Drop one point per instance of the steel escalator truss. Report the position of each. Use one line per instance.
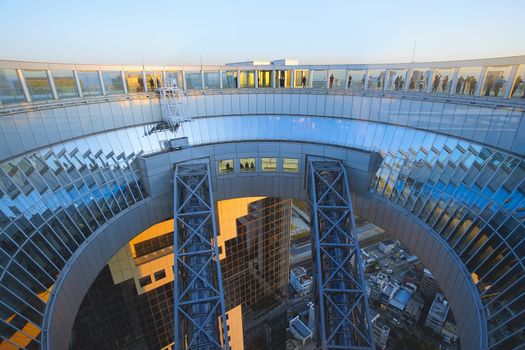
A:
(342, 314)
(198, 292)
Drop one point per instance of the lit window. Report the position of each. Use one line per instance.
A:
(144, 281)
(159, 275)
(269, 164)
(225, 166)
(290, 165)
(65, 83)
(38, 84)
(135, 82)
(247, 165)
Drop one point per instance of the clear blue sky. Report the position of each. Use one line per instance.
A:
(180, 32)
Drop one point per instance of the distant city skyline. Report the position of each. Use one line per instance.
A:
(170, 33)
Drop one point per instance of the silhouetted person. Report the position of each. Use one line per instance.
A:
(473, 84)
(396, 84)
(401, 83)
(246, 165)
(490, 84)
(151, 84)
(412, 84)
(349, 80)
(498, 85)
(228, 167)
(331, 81)
(241, 166)
(517, 83)
(303, 81)
(140, 88)
(435, 85)
(281, 81)
(444, 84)
(252, 166)
(460, 87)
(421, 83)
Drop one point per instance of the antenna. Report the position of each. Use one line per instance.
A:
(413, 52)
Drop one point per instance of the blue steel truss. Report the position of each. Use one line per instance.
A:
(342, 314)
(198, 292)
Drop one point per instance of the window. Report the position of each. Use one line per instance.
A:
(282, 78)
(264, 78)
(247, 165)
(89, 83)
(467, 80)
(495, 81)
(135, 82)
(319, 79)
(376, 79)
(144, 281)
(247, 79)
(38, 84)
(229, 79)
(518, 89)
(113, 82)
(441, 80)
(193, 81)
(225, 166)
(10, 87)
(65, 83)
(337, 79)
(211, 80)
(154, 80)
(396, 80)
(175, 78)
(419, 80)
(301, 79)
(269, 164)
(356, 79)
(159, 275)
(290, 165)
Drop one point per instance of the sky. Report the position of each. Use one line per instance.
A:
(172, 32)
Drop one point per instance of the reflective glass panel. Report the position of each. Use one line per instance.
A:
(229, 79)
(282, 78)
(269, 164)
(441, 80)
(319, 79)
(89, 83)
(419, 80)
(135, 82)
(301, 79)
(113, 82)
(396, 79)
(376, 79)
(518, 89)
(10, 87)
(175, 78)
(247, 79)
(65, 83)
(290, 165)
(337, 79)
(264, 78)
(247, 165)
(495, 81)
(356, 79)
(467, 80)
(154, 80)
(211, 80)
(193, 80)
(225, 166)
(38, 84)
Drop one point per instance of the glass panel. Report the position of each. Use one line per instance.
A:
(89, 83)
(175, 78)
(518, 89)
(396, 80)
(441, 80)
(264, 78)
(193, 81)
(467, 80)
(10, 87)
(269, 164)
(225, 166)
(495, 81)
(229, 79)
(247, 165)
(154, 80)
(319, 79)
(65, 83)
(356, 79)
(247, 79)
(419, 79)
(135, 82)
(337, 79)
(301, 78)
(113, 82)
(376, 79)
(38, 84)
(283, 78)
(290, 165)
(211, 80)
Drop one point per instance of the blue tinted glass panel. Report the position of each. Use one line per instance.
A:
(113, 83)
(38, 84)
(10, 87)
(90, 83)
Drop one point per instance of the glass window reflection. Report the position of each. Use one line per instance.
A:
(225, 166)
(247, 165)
(154, 80)
(113, 82)
(193, 81)
(175, 78)
(269, 164)
(301, 79)
(319, 79)
(135, 82)
(89, 83)
(65, 83)
(229, 79)
(495, 81)
(419, 79)
(441, 80)
(396, 79)
(38, 84)
(247, 79)
(282, 78)
(337, 79)
(376, 79)
(10, 87)
(356, 79)
(264, 78)
(518, 89)
(211, 80)
(467, 80)
(291, 165)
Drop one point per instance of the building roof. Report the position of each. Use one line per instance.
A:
(300, 328)
(400, 299)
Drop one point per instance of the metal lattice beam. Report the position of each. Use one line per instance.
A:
(342, 315)
(198, 292)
